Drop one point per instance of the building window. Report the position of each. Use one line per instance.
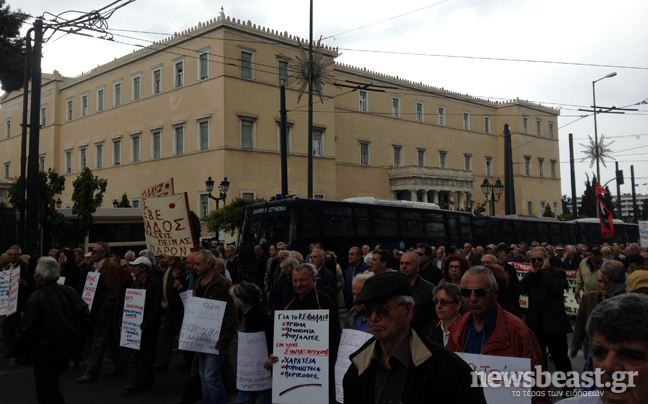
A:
(137, 87)
(156, 145)
(68, 161)
(43, 116)
(466, 120)
(319, 196)
(441, 113)
(100, 100)
(419, 112)
(542, 208)
(178, 140)
(70, 107)
(555, 209)
(99, 155)
(530, 208)
(157, 81)
(135, 148)
(363, 101)
(398, 156)
(468, 162)
(420, 157)
(318, 142)
(525, 125)
(553, 168)
(247, 196)
(288, 137)
(203, 65)
(203, 135)
(541, 167)
(364, 154)
(489, 166)
(203, 206)
(246, 64)
(443, 159)
(41, 164)
(8, 128)
(247, 133)
(83, 159)
(117, 94)
(135, 203)
(84, 105)
(538, 127)
(116, 152)
(283, 72)
(6, 170)
(178, 74)
(527, 165)
(550, 130)
(487, 124)
(396, 111)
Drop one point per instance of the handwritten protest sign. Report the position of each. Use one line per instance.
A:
(159, 190)
(571, 306)
(252, 352)
(131, 334)
(61, 280)
(12, 304)
(643, 233)
(301, 342)
(185, 295)
(501, 377)
(90, 288)
(201, 325)
(167, 225)
(6, 288)
(350, 342)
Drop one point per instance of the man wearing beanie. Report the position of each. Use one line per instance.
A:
(418, 371)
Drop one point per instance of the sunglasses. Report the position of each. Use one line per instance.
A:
(479, 292)
(381, 311)
(537, 260)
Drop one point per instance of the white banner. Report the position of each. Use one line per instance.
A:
(90, 288)
(201, 325)
(131, 334)
(9, 291)
(159, 190)
(350, 342)
(252, 352)
(167, 225)
(301, 341)
(643, 233)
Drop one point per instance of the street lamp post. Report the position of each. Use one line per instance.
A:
(598, 150)
(492, 191)
(223, 187)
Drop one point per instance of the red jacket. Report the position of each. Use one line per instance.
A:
(511, 338)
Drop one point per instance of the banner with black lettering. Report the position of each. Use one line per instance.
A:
(167, 225)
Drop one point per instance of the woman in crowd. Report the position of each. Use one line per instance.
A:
(449, 307)
(453, 269)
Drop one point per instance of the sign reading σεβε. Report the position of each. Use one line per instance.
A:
(201, 325)
(167, 225)
(301, 341)
(90, 288)
(252, 352)
(131, 333)
(350, 342)
(159, 190)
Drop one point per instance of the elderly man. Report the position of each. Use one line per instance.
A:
(439, 257)
(613, 276)
(635, 263)
(590, 300)
(397, 365)
(54, 318)
(214, 286)
(545, 286)
(318, 259)
(104, 311)
(586, 276)
(379, 262)
(488, 329)
(234, 265)
(572, 260)
(619, 340)
(422, 292)
(354, 320)
(471, 256)
(356, 267)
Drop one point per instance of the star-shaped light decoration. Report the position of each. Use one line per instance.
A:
(595, 151)
(321, 76)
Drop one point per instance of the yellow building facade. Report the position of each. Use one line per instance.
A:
(205, 102)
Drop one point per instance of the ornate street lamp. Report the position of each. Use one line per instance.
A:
(492, 191)
(223, 187)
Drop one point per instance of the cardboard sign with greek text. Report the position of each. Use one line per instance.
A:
(252, 352)
(131, 334)
(201, 325)
(302, 344)
(350, 342)
(9, 291)
(90, 288)
(167, 225)
(159, 190)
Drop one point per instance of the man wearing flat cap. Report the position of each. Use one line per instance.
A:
(397, 365)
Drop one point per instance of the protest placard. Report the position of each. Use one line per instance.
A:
(201, 325)
(5, 286)
(61, 280)
(159, 190)
(301, 342)
(571, 306)
(90, 288)
(131, 334)
(350, 342)
(643, 232)
(167, 225)
(501, 377)
(12, 304)
(185, 295)
(252, 352)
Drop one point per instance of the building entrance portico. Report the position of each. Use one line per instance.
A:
(448, 188)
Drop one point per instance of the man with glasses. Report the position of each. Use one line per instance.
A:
(104, 315)
(545, 287)
(397, 365)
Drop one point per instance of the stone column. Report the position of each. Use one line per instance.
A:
(424, 196)
(435, 197)
(413, 195)
(461, 198)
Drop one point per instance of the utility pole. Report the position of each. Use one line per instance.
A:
(284, 143)
(573, 176)
(310, 105)
(23, 141)
(619, 182)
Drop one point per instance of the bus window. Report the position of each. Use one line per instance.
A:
(310, 223)
(386, 227)
(363, 226)
(466, 228)
(412, 228)
(435, 230)
(337, 210)
(338, 225)
(453, 229)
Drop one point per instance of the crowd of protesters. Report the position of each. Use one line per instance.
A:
(414, 302)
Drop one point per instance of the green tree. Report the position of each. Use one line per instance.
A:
(230, 217)
(547, 211)
(479, 209)
(12, 48)
(87, 197)
(566, 205)
(588, 201)
(124, 203)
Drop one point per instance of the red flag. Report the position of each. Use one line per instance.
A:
(604, 214)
